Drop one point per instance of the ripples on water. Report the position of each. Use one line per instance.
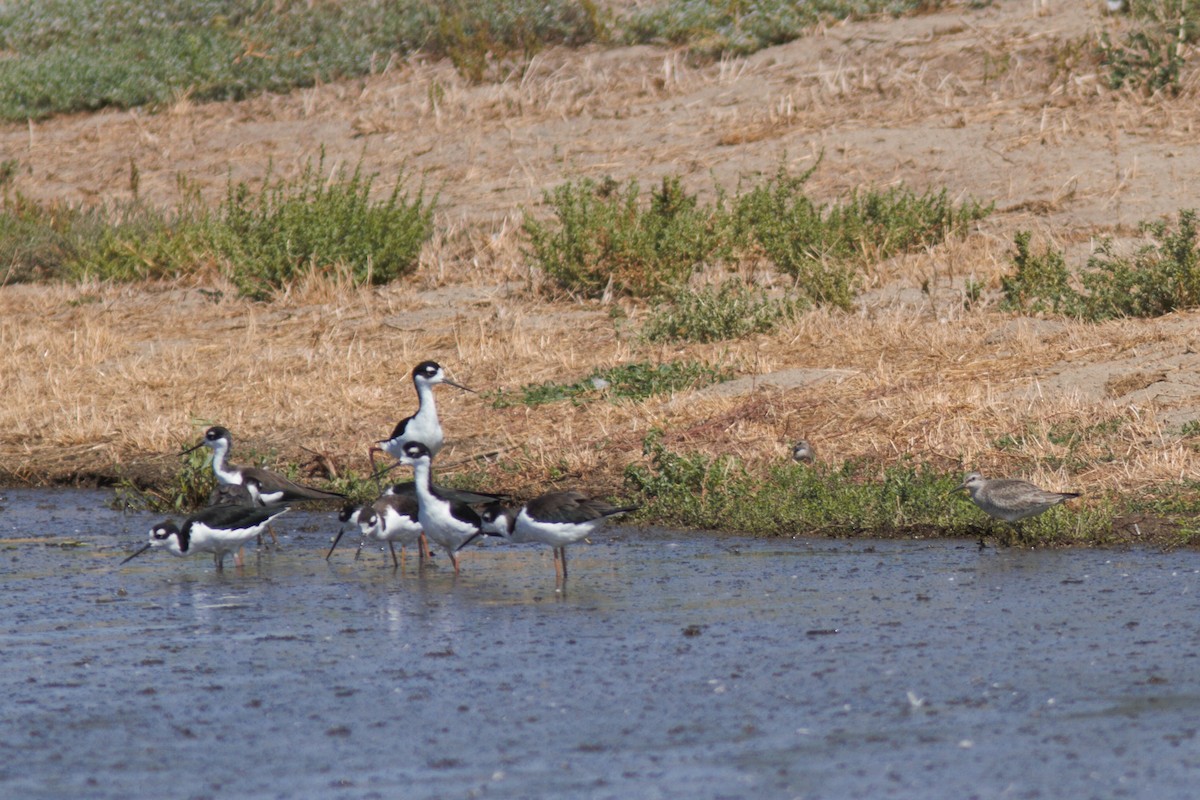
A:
(677, 665)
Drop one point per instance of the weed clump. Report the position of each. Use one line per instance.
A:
(603, 239)
(823, 247)
(710, 314)
(1152, 56)
(635, 381)
(270, 238)
(261, 241)
(1161, 277)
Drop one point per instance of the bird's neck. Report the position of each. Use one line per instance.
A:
(421, 482)
(426, 405)
(226, 473)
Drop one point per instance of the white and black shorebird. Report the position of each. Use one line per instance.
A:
(261, 486)
(264, 486)
(556, 519)
(391, 518)
(394, 515)
(216, 529)
(1009, 499)
(450, 523)
(423, 426)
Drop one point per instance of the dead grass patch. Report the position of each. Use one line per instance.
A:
(103, 381)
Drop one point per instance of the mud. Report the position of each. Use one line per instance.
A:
(677, 664)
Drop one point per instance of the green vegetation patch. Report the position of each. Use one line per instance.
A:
(291, 227)
(1153, 55)
(78, 55)
(712, 314)
(1160, 277)
(605, 239)
(628, 381)
(261, 241)
(715, 28)
(693, 490)
(822, 247)
(191, 488)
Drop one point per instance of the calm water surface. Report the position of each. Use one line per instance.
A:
(678, 664)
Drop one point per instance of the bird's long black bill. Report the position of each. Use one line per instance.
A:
(472, 538)
(145, 547)
(196, 446)
(337, 539)
(459, 386)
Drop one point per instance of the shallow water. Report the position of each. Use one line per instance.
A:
(677, 665)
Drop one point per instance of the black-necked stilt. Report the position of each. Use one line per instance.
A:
(391, 518)
(422, 426)
(557, 519)
(804, 452)
(217, 530)
(450, 523)
(265, 487)
(1009, 499)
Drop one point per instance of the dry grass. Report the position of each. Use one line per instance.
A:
(1002, 104)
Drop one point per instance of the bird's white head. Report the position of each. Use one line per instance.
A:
(415, 453)
(497, 520)
(431, 373)
(166, 534)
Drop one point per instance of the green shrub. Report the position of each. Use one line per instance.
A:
(1161, 277)
(311, 223)
(604, 239)
(127, 240)
(263, 240)
(824, 247)
(1153, 55)
(715, 314)
(1041, 281)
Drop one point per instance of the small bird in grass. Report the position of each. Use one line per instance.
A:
(557, 519)
(391, 518)
(216, 529)
(263, 486)
(1009, 499)
(803, 452)
(423, 426)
